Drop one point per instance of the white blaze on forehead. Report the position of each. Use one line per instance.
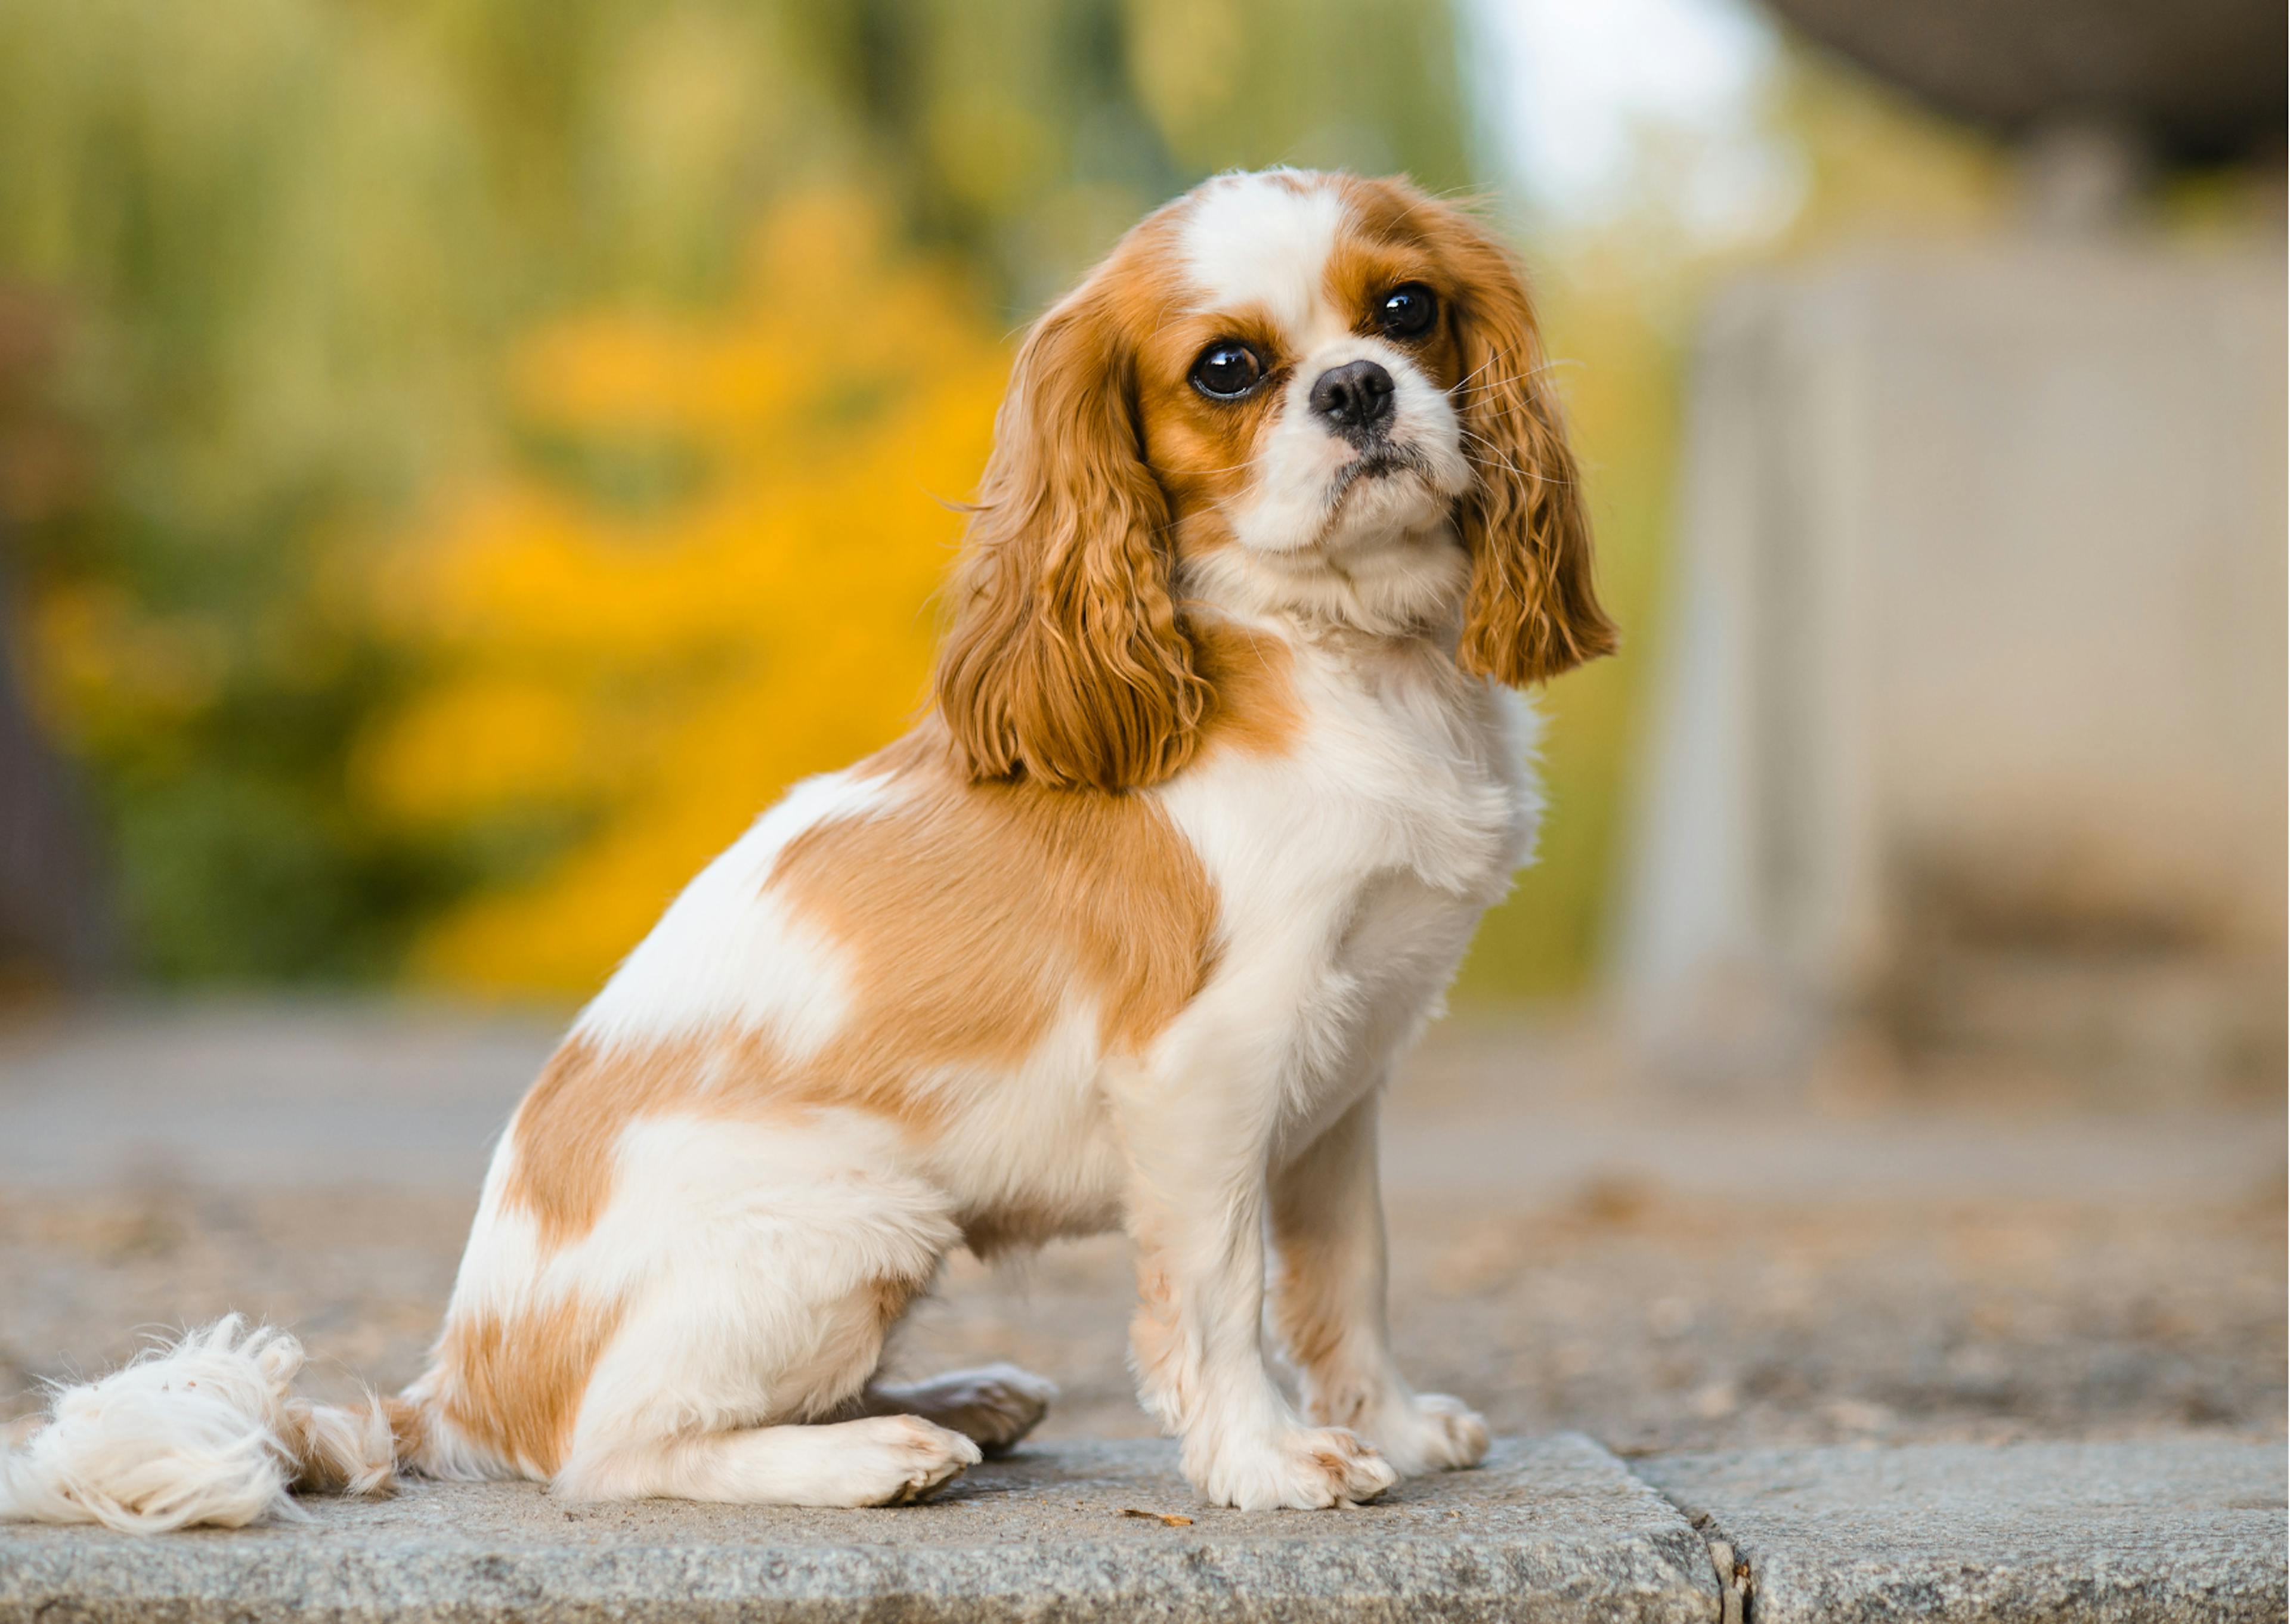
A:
(1264, 241)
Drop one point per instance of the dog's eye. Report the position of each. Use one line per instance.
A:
(1226, 371)
(1407, 311)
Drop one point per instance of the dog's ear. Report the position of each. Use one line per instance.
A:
(1064, 662)
(1532, 610)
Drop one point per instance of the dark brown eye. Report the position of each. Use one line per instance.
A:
(1407, 311)
(1226, 371)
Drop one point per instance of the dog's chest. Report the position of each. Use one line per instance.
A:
(1409, 772)
(1352, 868)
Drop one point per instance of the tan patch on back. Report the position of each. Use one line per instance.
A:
(971, 911)
(513, 1385)
(970, 914)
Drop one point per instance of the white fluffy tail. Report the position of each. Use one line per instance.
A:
(205, 1430)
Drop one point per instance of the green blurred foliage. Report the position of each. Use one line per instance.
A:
(283, 245)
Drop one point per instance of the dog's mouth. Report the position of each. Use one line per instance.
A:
(1385, 460)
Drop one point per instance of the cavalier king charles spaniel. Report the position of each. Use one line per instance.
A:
(1225, 760)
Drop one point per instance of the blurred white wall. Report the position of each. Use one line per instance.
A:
(1978, 650)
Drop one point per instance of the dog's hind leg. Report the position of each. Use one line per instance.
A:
(879, 1460)
(753, 1270)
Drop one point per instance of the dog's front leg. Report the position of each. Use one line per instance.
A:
(1196, 1213)
(1327, 1225)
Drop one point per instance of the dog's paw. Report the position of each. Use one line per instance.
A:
(1428, 1432)
(895, 1460)
(1299, 1469)
(993, 1407)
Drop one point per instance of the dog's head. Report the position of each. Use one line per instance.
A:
(1285, 391)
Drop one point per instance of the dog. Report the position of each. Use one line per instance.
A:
(1226, 757)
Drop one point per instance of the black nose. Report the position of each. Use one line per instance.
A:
(1354, 398)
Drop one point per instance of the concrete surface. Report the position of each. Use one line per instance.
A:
(231, 1093)
(1572, 1249)
(2187, 1532)
(2164, 1531)
(1553, 1529)
(267, 1095)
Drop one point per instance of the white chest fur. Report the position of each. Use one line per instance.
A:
(1351, 870)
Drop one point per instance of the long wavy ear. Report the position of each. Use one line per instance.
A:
(1064, 662)
(1532, 610)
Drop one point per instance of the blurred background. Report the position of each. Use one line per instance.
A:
(460, 460)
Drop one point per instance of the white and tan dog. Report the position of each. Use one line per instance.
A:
(1221, 772)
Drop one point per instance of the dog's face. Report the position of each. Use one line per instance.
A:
(1285, 392)
(1298, 397)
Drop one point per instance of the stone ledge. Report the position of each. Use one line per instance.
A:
(2166, 1531)
(1552, 1528)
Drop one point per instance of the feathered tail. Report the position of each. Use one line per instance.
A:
(206, 1430)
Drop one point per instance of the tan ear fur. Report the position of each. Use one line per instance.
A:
(1532, 610)
(1065, 663)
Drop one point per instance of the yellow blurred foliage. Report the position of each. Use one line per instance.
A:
(708, 574)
